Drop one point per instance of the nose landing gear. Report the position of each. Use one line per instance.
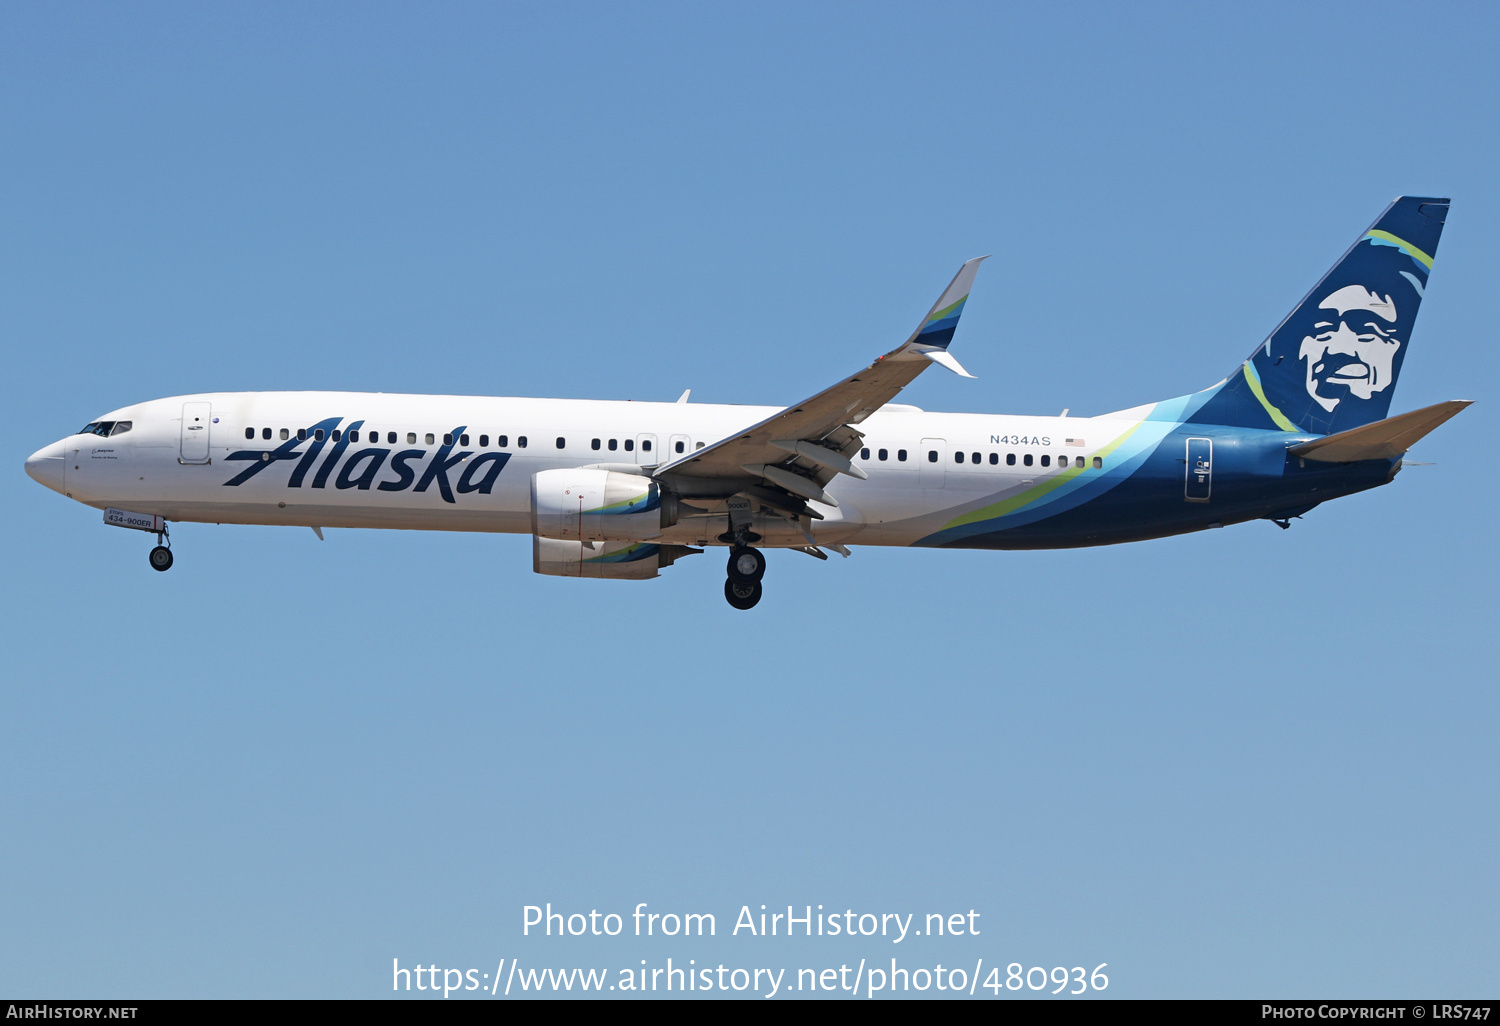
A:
(746, 567)
(161, 556)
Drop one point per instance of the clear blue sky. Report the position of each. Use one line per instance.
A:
(1242, 763)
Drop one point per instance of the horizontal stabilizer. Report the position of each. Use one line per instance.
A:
(1382, 440)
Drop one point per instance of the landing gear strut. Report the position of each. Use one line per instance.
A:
(161, 556)
(746, 567)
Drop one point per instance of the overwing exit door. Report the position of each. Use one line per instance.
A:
(932, 461)
(645, 450)
(1200, 469)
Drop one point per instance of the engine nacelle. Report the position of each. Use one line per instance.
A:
(629, 561)
(593, 504)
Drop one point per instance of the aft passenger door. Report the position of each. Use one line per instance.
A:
(196, 418)
(1200, 470)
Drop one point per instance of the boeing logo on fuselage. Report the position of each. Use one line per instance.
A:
(364, 465)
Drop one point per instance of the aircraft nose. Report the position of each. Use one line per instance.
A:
(46, 466)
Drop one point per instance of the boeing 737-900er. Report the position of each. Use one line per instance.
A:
(623, 489)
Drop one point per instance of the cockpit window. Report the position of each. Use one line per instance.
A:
(105, 428)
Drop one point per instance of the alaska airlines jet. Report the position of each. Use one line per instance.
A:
(623, 489)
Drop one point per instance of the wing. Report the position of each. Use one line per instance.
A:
(799, 450)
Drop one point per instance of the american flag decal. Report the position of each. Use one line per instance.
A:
(1079, 442)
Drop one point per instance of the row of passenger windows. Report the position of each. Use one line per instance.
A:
(678, 445)
(391, 437)
(1010, 458)
(429, 438)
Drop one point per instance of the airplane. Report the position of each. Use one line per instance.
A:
(622, 490)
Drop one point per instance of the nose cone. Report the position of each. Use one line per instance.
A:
(46, 466)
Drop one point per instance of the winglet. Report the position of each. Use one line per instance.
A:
(937, 327)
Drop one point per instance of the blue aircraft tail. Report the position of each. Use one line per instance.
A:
(1332, 364)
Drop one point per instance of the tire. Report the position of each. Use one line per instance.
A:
(742, 596)
(161, 558)
(746, 565)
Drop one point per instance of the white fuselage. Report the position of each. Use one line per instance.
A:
(181, 455)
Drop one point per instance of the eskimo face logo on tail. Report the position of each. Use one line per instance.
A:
(1351, 349)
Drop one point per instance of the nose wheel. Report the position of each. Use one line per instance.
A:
(161, 556)
(746, 567)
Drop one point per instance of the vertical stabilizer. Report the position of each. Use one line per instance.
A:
(1332, 364)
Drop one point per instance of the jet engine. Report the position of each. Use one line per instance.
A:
(631, 561)
(594, 504)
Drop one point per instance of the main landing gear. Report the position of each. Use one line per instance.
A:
(746, 567)
(161, 556)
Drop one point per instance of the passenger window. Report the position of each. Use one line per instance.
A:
(1026, 459)
(864, 454)
(249, 432)
(630, 445)
(1062, 461)
(354, 436)
(594, 444)
(484, 441)
(285, 435)
(883, 455)
(958, 457)
(682, 447)
(447, 439)
(411, 438)
(463, 440)
(429, 437)
(390, 438)
(700, 445)
(900, 455)
(1010, 459)
(974, 458)
(614, 443)
(1098, 462)
(994, 459)
(336, 434)
(302, 434)
(645, 445)
(931, 455)
(520, 441)
(265, 433)
(502, 441)
(1046, 460)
